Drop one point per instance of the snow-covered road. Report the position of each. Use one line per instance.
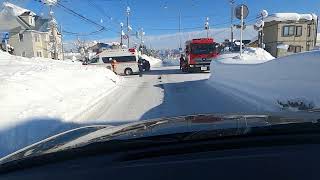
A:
(163, 92)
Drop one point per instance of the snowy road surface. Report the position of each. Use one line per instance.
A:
(163, 92)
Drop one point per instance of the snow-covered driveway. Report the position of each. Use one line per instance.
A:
(163, 92)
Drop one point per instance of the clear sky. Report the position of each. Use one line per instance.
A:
(158, 16)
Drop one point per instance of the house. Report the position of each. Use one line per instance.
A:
(30, 35)
(287, 33)
(99, 47)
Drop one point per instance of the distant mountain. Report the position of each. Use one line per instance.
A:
(220, 34)
(171, 41)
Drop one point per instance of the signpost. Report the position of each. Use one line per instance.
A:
(241, 12)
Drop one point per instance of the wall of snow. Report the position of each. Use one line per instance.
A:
(249, 56)
(171, 62)
(153, 61)
(290, 78)
(40, 97)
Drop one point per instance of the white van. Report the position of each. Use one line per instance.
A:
(127, 60)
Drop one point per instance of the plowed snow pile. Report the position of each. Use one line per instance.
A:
(291, 82)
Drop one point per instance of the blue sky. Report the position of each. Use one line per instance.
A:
(158, 16)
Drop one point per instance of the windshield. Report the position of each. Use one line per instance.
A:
(202, 48)
(67, 64)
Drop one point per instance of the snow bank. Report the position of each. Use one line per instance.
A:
(292, 79)
(36, 92)
(42, 87)
(72, 56)
(249, 56)
(171, 62)
(290, 17)
(153, 61)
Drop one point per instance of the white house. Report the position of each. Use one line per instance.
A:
(30, 34)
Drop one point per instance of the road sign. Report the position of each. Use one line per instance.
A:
(125, 36)
(238, 11)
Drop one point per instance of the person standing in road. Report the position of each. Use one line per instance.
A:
(140, 65)
(113, 65)
(181, 61)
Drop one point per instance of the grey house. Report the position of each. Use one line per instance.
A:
(288, 33)
(29, 34)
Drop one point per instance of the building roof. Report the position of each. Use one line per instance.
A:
(11, 17)
(290, 17)
(16, 10)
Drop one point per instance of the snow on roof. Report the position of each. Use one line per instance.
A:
(15, 10)
(290, 17)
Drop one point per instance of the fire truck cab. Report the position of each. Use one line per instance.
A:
(199, 53)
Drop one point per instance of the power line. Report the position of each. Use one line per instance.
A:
(80, 16)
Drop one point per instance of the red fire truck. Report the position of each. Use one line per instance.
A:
(199, 53)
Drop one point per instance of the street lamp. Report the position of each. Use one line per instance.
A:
(128, 10)
(206, 26)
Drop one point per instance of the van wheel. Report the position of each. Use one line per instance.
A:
(128, 71)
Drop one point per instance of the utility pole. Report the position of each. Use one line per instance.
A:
(231, 19)
(262, 34)
(241, 31)
(62, 50)
(141, 34)
(128, 27)
(121, 34)
(260, 27)
(180, 46)
(53, 33)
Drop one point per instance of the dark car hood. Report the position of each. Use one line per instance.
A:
(193, 123)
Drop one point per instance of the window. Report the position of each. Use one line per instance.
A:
(202, 48)
(126, 59)
(288, 30)
(39, 54)
(105, 59)
(291, 48)
(120, 59)
(21, 37)
(297, 49)
(308, 47)
(37, 38)
(298, 30)
(309, 30)
(94, 60)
